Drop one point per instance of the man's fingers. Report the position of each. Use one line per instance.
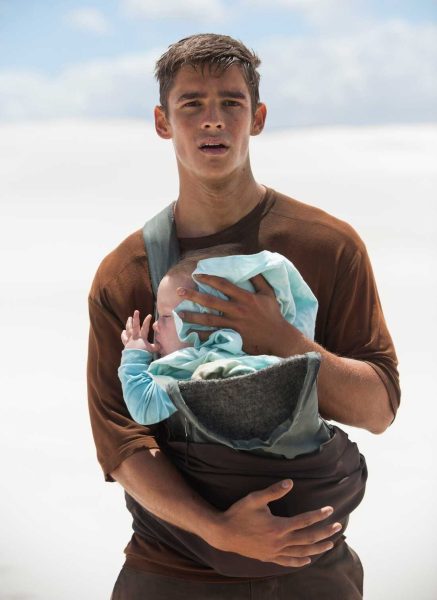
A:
(307, 550)
(290, 561)
(222, 285)
(261, 284)
(313, 535)
(124, 337)
(273, 492)
(298, 556)
(213, 302)
(209, 319)
(309, 518)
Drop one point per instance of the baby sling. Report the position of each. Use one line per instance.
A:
(217, 420)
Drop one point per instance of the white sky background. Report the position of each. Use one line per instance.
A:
(70, 192)
(81, 168)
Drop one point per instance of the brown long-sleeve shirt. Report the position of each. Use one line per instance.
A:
(331, 258)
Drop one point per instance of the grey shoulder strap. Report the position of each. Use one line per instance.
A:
(161, 244)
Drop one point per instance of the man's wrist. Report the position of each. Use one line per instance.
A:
(290, 341)
(212, 530)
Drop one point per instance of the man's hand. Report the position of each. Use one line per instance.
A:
(256, 316)
(249, 528)
(135, 336)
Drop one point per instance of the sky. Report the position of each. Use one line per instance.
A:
(323, 61)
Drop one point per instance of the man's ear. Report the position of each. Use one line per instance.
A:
(162, 125)
(259, 119)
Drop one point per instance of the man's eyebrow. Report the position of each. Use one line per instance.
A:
(191, 96)
(223, 94)
(232, 94)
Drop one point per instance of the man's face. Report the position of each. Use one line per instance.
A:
(210, 121)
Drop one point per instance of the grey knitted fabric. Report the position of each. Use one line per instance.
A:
(273, 411)
(248, 406)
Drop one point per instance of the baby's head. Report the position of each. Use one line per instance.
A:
(167, 298)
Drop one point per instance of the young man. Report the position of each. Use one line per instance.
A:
(209, 109)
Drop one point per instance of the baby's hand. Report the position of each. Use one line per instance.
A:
(135, 337)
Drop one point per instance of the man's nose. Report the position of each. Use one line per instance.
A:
(213, 119)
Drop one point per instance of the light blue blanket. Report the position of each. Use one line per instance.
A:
(297, 303)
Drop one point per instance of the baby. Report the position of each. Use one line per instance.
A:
(183, 355)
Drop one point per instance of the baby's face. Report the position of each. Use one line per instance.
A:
(167, 300)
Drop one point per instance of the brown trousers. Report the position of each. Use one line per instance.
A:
(338, 575)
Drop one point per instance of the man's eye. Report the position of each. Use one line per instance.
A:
(192, 103)
(231, 103)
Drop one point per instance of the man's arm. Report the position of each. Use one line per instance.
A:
(350, 391)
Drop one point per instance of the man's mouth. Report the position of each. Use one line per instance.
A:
(213, 148)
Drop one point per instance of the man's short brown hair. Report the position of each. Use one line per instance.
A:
(210, 50)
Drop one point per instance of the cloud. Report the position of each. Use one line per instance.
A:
(307, 8)
(321, 14)
(88, 19)
(381, 74)
(194, 10)
(105, 88)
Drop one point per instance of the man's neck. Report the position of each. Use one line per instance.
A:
(204, 209)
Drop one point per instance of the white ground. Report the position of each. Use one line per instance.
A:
(70, 191)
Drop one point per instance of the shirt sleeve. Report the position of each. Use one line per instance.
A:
(116, 434)
(147, 401)
(356, 327)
